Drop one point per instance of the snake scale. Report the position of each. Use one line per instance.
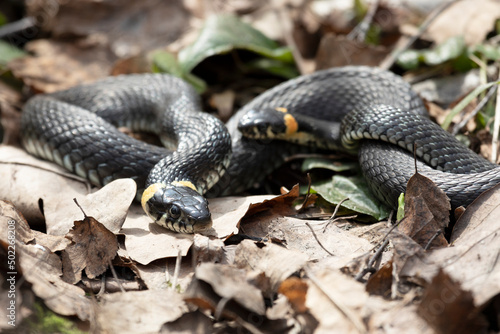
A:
(350, 108)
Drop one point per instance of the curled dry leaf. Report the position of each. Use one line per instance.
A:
(426, 212)
(146, 241)
(93, 247)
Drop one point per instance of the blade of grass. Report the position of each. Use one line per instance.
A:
(465, 101)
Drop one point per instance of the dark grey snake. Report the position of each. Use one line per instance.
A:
(76, 129)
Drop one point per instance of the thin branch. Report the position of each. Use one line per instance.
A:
(332, 218)
(474, 112)
(360, 31)
(496, 128)
(438, 232)
(391, 59)
(369, 268)
(115, 276)
(177, 268)
(317, 240)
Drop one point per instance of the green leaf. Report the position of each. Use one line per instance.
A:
(401, 207)
(166, 62)
(450, 49)
(490, 52)
(409, 59)
(465, 101)
(9, 52)
(275, 67)
(223, 33)
(360, 197)
(336, 166)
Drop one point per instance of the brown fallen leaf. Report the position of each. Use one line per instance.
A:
(449, 309)
(472, 260)
(381, 281)
(93, 247)
(426, 212)
(295, 290)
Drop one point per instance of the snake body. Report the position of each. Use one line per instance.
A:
(76, 128)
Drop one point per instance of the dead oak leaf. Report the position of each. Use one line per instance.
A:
(92, 249)
(448, 308)
(426, 212)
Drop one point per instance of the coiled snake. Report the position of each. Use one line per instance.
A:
(76, 128)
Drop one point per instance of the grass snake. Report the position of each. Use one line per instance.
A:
(350, 108)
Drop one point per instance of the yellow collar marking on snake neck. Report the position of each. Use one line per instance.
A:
(149, 193)
(291, 124)
(183, 183)
(281, 109)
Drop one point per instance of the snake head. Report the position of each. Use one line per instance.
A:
(176, 207)
(267, 123)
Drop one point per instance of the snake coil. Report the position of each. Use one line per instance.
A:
(76, 128)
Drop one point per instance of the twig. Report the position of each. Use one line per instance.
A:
(332, 218)
(290, 42)
(474, 112)
(308, 194)
(221, 305)
(351, 316)
(359, 32)
(177, 268)
(438, 232)
(115, 276)
(369, 268)
(391, 59)
(317, 240)
(496, 128)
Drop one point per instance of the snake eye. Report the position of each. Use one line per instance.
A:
(174, 211)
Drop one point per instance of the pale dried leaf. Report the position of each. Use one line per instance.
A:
(108, 205)
(147, 310)
(471, 19)
(213, 282)
(54, 243)
(146, 241)
(159, 274)
(228, 211)
(275, 262)
(29, 182)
